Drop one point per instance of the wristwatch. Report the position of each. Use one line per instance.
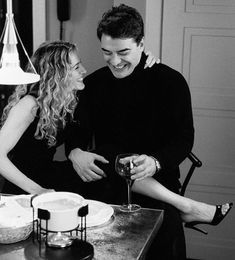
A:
(157, 164)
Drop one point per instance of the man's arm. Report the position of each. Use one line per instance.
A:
(79, 131)
(78, 138)
(181, 137)
(179, 128)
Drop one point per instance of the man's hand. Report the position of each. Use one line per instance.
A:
(144, 166)
(84, 165)
(151, 60)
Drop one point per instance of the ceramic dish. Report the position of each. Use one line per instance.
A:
(63, 209)
(99, 213)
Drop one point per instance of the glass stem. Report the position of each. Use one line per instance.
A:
(129, 192)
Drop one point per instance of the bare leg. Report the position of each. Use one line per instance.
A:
(190, 210)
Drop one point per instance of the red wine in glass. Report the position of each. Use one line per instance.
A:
(123, 165)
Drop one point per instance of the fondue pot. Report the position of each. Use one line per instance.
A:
(62, 209)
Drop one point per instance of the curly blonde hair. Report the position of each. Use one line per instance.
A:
(52, 62)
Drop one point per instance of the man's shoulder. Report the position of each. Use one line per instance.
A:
(164, 69)
(168, 80)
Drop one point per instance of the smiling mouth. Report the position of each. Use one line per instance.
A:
(119, 68)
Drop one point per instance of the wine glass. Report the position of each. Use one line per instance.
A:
(123, 165)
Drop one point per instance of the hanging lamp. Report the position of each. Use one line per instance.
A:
(10, 70)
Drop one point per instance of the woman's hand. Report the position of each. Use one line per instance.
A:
(43, 190)
(151, 60)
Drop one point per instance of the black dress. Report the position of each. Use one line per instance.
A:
(35, 159)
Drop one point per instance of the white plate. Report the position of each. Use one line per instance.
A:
(98, 213)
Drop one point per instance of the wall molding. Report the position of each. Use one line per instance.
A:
(208, 6)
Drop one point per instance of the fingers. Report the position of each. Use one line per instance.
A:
(144, 167)
(141, 175)
(84, 165)
(139, 160)
(90, 172)
(98, 171)
(128, 159)
(100, 158)
(151, 60)
(91, 176)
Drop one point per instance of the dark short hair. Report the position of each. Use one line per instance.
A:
(121, 22)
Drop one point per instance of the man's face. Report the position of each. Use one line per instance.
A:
(121, 55)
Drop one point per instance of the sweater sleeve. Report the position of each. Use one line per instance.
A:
(180, 136)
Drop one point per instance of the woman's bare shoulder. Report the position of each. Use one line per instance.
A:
(26, 105)
(28, 101)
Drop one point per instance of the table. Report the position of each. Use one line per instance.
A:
(127, 236)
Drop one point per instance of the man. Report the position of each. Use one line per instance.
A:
(126, 108)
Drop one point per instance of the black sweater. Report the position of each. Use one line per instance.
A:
(148, 112)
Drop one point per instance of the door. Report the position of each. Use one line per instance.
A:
(199, 41)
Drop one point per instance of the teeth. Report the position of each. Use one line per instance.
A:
(119, 67)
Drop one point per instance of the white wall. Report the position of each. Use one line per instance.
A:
(153, 15)
(80, 29)
(39, 23)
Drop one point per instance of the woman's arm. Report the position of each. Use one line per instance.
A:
(19, 119)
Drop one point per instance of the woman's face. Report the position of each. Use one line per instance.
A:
(76, 72)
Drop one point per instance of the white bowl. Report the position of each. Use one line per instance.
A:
(63, 208)
(15, 218)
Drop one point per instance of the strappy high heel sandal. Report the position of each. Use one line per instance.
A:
(218, 217)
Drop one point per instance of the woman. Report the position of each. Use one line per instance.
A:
(34, 124)
(35, 116)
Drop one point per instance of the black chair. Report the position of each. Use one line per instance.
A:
(195, 163)
(2, 180)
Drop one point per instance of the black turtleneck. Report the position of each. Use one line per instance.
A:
(148, 112)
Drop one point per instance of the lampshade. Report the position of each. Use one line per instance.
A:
(10, 71)
(16, 76)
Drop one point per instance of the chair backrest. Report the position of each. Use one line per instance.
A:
(195, 163)
(2, 180)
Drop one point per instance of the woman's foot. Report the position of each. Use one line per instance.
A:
(197, 216)
(202, 212)
(220, 213)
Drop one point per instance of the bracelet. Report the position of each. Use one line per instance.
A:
(157, 164)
